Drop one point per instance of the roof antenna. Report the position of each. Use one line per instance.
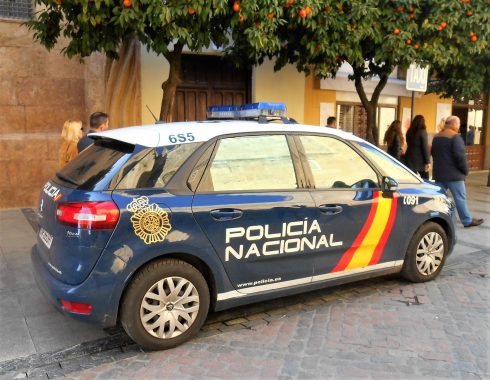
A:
(152, 114)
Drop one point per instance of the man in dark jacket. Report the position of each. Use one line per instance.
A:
(451, 167)
(99, 122)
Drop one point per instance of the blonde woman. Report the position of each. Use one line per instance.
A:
(71, 133)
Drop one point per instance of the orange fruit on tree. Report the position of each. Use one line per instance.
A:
(127, 3)
(308, 10)
(302, 13)
(236, 6)
(409, 41)
(396, 32)
(270, 15)
(191, 10)
(474, 38)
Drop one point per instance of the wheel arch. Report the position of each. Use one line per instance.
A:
(196, 262)
(446, 227)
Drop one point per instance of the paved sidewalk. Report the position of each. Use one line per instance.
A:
(383, 328)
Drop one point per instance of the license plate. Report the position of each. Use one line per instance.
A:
(45, 237)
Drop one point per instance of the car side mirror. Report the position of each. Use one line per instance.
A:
(389, 185)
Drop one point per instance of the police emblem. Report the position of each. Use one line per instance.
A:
(150, 222)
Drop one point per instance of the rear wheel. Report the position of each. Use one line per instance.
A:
(165, 305)
(426, 253)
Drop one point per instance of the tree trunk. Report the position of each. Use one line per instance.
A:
(370, 106)
(123, 86)
(169, 87)
(372, 129)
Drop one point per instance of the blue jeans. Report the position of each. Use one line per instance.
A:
(458, 192)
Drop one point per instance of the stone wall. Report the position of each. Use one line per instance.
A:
(39, 90)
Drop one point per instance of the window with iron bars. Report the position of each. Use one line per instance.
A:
(16, 9)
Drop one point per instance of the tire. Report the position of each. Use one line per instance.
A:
(156, 321)
(426, 253)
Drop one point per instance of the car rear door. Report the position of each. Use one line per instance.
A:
(252, 205)
(70, 251)
(357, 216)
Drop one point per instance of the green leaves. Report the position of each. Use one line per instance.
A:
(315, 35)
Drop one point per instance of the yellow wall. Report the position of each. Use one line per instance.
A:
(286, 86)
(154, 71)
(425, 105)
(313, 97)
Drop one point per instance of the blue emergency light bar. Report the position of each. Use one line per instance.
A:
(251, 110)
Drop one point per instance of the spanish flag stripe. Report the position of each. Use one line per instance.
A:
(347, 256)
(386, 234)
(365, 252)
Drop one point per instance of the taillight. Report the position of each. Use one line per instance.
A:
(88, 215)
(75, 307)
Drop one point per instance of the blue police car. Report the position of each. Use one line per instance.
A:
(153, 226)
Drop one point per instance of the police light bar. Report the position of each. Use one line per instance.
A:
(222, 112)
(251, 110)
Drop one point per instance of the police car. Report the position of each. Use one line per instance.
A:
(153, 226)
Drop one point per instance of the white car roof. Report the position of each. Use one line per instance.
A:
(165, 134)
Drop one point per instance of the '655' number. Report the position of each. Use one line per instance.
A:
(181, 137)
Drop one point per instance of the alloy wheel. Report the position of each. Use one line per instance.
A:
(430, 252)
(169, 307)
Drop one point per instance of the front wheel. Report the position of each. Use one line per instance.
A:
(426, 253)
(165, 304)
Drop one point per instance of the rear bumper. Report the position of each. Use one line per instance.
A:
(92, 291)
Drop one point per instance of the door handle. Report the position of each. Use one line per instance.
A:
(330, 209)
(226, 214)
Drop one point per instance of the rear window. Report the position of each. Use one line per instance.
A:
(93, 168)
(153, 167)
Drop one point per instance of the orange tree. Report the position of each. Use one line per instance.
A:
(374, 37)
(163, 26)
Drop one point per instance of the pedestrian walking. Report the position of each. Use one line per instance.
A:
(331, 122)
(451, 167)
(417, 156)
(394, 139)
(99, 122)
(71, 133)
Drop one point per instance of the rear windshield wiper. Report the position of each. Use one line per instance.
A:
(66, 178)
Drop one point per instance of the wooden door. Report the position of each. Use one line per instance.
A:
(206, 81)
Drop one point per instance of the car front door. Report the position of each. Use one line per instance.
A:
(355, 214)
(252, 205)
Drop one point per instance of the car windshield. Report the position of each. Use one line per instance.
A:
(389, 165)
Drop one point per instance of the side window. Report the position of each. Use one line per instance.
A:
(153, 168)
(334, 164)
(250, 163)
